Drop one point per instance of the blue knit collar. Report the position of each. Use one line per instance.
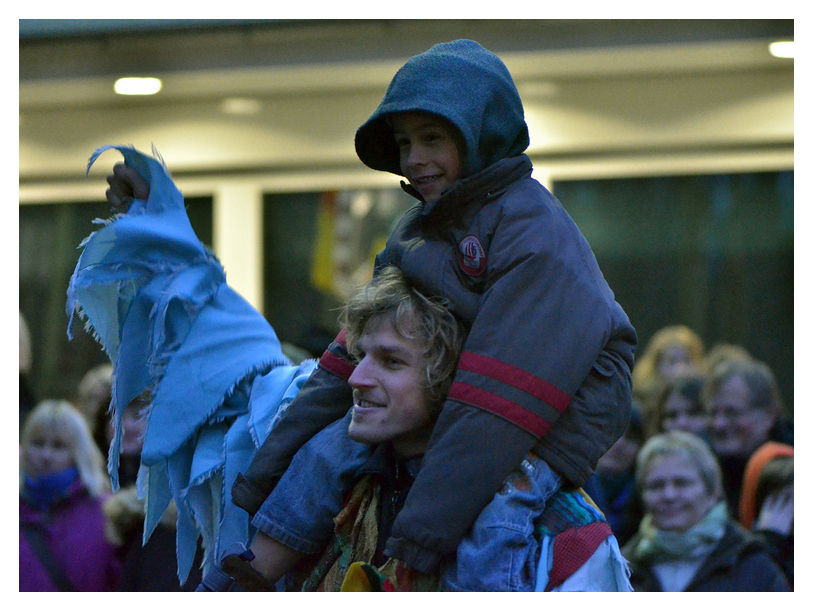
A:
(47, 490)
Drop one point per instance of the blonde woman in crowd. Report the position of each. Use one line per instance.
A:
(672, 351)
(62, 486)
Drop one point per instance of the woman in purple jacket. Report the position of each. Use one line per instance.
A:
(62, 486)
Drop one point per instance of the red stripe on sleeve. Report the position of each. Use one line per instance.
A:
(513, 412)
(516, 377)
(342, 338)
(335, 364)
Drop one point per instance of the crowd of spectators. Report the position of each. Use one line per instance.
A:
(711, 444)
(698, 491)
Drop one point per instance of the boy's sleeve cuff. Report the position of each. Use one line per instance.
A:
(420, 558)
(245, 495)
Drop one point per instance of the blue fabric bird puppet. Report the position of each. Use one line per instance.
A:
(157, 300)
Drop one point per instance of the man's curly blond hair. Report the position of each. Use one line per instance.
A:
(415, 317)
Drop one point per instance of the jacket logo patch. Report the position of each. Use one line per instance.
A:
(472, 256)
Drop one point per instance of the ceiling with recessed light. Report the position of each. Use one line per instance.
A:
(283, 98)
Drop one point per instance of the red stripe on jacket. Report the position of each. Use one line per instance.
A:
(516, 377)
(513, 412)
(334, 363)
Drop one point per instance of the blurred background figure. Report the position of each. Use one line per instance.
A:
(672, 351)
(93, 401)
(93, 397)
(612, 487)
(28, 398)
(766, 501)
(62, 486)
(686, 540)
(745, 411)
(679, 407)
(133, 428)
(150, 567)
(723, 352)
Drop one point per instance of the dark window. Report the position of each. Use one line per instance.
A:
(712, 252)
(317, 247)
(49, 237)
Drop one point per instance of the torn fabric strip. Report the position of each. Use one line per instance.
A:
(157, 300)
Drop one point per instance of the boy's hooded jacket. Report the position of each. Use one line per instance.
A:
(546, 366)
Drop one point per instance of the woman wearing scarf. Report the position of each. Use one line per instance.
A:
(686, 540)
(62, 486)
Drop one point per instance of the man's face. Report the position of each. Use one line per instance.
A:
(430, 159)
(736, 428)
(390, 402)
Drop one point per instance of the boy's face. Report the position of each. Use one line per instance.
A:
(389, 398)
(429, 154)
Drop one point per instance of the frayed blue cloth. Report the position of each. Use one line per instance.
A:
(157, 300)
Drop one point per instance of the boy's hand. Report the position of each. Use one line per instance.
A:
(125, 185)
(777, 512)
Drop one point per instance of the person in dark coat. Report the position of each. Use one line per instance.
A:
(612, 487)
(150, 566)
(686, 541)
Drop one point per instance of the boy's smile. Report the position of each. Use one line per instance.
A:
(428, 151)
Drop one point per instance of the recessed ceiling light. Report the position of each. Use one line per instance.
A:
(782, 48)
(135, 85)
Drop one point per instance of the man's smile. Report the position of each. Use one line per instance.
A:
(365, 404)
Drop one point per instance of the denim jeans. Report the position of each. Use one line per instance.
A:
(500, 552)
(299, 511)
